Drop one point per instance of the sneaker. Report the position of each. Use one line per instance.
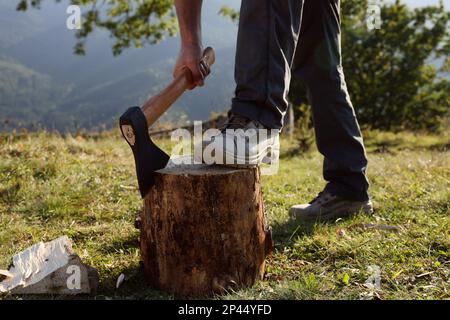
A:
(240, 142)
(328, 207)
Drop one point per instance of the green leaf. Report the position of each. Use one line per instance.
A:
(346, 279)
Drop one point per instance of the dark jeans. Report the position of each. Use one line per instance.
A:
(280, 39)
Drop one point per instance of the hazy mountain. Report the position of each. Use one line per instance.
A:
(95, 89)
(26, 94)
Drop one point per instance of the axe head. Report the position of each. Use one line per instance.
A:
(147, 156)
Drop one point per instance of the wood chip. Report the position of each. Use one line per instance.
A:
(120, 280)
(424, 274)
(369, 226)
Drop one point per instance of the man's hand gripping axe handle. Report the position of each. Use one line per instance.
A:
(134, 124)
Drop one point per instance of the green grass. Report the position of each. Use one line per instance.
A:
(51, 185)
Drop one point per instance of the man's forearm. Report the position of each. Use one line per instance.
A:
(189, 20)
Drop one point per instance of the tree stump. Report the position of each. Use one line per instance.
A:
(203, 230)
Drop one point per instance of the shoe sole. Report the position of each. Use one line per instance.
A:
(332, 215)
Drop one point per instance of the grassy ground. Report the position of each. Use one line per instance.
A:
(85, 188)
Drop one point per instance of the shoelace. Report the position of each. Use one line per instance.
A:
(316, 198)
(319, 198)
(322, 197)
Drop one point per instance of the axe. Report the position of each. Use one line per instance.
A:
(134, 124)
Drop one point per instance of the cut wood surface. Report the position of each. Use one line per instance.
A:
(49, 268)
(203, 230)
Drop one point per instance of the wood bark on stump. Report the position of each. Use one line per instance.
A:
(203, 230)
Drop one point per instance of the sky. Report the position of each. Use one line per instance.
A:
(420, 3)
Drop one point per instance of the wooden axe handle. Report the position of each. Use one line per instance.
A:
(159, 103)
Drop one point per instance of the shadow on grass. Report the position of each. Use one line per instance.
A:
(125, 245)
(395, 146)
(134, 287)
(284, 232)
(439, 147)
